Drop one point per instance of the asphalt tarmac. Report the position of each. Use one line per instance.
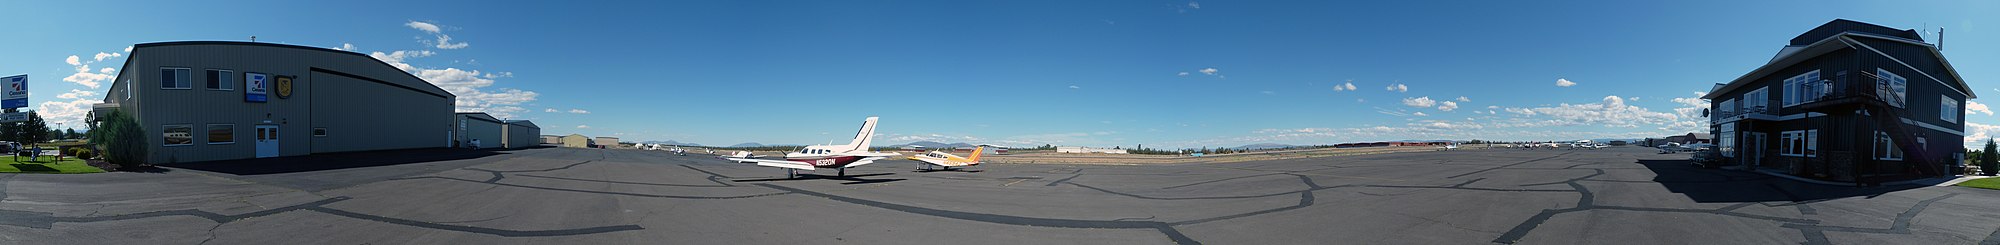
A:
(1621, 195)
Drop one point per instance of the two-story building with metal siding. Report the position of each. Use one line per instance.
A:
(216, 100)
(521, 134)
(1846, 101)
(480, 130)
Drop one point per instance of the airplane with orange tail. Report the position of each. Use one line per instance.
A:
(939, 160)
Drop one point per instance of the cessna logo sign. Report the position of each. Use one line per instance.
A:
(253, 87)
(16, 93)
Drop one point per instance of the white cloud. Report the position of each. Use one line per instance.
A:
(1633, 99)
(75, 94)
(444, 42)
(578, 111)
(346, 47)
(1398, 88)
(1210, 71)
(68, 113)
(549, 110)
(87, 77)
(1521, 111)
(1182, 74)
(1074, 87)
(1977, 134)
(423, 26)
(582, 126)
(1973, 106)
(101, 55)
(128, 49)
(1419, 102)
(396, 58)
(1561, 82)
(1610, 112)
(1464, 99)
(1447, 106)
(1419, 114)
(1194, 5)
(1349, 86)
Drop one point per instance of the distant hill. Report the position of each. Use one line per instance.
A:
(1264, 146)
(925, 144)
(750, 144)
(935, 145)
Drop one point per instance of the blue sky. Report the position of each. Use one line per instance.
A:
(1096, 73)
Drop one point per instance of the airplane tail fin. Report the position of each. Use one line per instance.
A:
(865, 137)
(975, 154)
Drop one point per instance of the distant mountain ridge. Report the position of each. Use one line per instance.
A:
(935, 145)
(747, 144)
(669, 142)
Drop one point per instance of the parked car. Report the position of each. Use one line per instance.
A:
(1705, 157)
(9, 147)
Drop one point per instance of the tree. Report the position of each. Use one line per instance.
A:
(121, 139)
(1990, 161)
(70, 133)
(34, 130)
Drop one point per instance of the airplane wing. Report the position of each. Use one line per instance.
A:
(864, 161)
(775, 163)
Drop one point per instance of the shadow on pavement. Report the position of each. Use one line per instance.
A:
(331, 161)
(851, 179)
(1728, 186)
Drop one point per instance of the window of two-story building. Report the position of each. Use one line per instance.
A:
(1886, 149)
(175, 78)
(1803, 88)
(1947, 109)
(1757, 101)
(1892, 88)
(1799, 143)
(1728, 107)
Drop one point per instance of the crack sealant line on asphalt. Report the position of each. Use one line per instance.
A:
(1900, 226)
(621, 182)
(1509, 165)
(1063, 180)
(1163, 227)
(474, 229)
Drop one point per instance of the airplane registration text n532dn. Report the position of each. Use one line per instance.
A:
(840, 157)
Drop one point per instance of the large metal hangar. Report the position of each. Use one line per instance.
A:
(221, 100)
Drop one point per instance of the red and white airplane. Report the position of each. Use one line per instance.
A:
(840, 157)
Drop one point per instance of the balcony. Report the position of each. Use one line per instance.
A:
(1841, 94)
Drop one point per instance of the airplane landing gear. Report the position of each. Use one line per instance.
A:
(791, 173)
(843, 172)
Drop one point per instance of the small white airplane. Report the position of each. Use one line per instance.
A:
(840, 157)
(1448, 147)
(939, 160)
(740, 154)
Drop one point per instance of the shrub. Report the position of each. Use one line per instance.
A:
(1990, 163)
(121, 138)
(80, 153)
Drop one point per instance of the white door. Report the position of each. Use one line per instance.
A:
(267, 141)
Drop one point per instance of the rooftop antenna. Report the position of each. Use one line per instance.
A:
(1940, 39)
(253, 39)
